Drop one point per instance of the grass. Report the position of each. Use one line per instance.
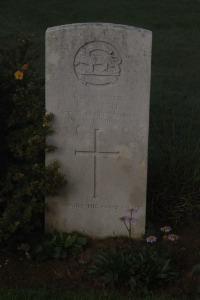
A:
(55, 295)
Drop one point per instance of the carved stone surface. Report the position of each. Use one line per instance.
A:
(97, 63)
(98, 87)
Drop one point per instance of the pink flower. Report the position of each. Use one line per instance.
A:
(131, 220)
(151, 239)
(173, 237)
(132, 210)
(166, 229)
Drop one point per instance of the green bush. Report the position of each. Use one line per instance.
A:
(58, 246)
(151, 270)
(141, 270)
(24, 178)
(113, 266)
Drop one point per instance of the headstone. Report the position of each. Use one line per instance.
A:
(98, 87)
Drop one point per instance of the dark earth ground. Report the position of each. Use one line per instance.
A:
(18, 270)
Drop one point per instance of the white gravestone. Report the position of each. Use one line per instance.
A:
(98, 87)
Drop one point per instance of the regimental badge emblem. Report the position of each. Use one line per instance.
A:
(97, 63)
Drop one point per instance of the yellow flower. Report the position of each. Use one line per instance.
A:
(24, 67)
(19, 75)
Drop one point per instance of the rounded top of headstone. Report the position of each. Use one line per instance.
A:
(99, 25)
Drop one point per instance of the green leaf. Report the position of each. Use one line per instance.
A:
(56, 253)
(69, 241)
(166, 265)
(196, 269)
(133, 283)
(81, 240)
(63, 255)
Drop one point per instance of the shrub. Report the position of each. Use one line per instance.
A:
(112, 266)
(59, 245)
(140, 270)
(25, 180)
(151, 270)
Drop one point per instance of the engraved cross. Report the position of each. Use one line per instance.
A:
(95, 153)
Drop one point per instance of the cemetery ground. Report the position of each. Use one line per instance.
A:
(20, 274)
(174, 177)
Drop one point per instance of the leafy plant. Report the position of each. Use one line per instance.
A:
(24, 179)
(140, 270)
(196, 269)
(112, 266)
(151, 270)
(59, 245)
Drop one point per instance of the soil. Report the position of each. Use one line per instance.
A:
(18, 270)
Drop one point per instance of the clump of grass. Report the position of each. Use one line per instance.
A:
(43, 294)
(174, 163)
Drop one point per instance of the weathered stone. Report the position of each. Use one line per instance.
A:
(98, 87)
